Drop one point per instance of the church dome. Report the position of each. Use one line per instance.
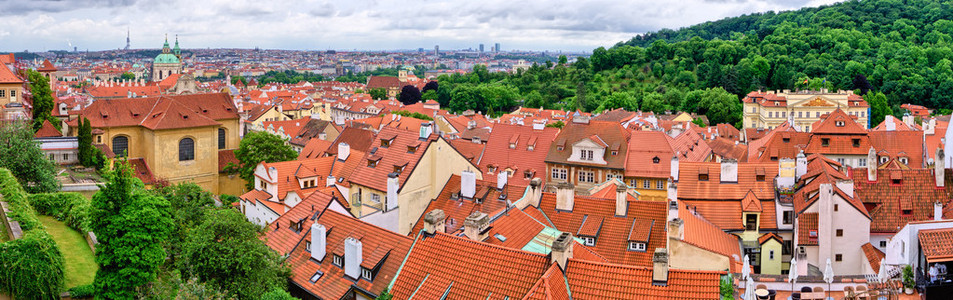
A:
(166, 58)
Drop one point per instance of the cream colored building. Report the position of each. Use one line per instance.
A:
(769, 109)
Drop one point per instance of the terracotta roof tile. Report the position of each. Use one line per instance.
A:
(396, 152)
(609, 132)
(807, 223)
(645, 148)
(588, 280)
(47, 131)
(519, 159)
(163, 112)
(284, 234)
(885, 201)
(225, 157)
(705, 235)
(874, 255)
(142, 170)
(937, 244)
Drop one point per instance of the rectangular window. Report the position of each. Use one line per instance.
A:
(825, 142)
(316, 276)
(771, 255)
(589, 241)
(787, 247)
(559, 174)
(862, 162)
(633, 182)
(3, 93)
(52, 156)
(883, 244)
(841, 161)
(338, 260)
(375, 198)
(836, 207)
(367, 274)
(787, 217)
(636, 246)
(840, 232)
(586, 176)
(307, 246)
(751, 221)
(660, 185)
(645, 183)
(66, 156)
(838, 257)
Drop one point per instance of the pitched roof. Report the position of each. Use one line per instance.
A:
(935, 244)
(528, 154)
(283, 235)
(315, 148)
(726, 148)
(873, 255)
(47, 130)
(457, 208)
(311, 129)
(612, 133)
(382, 250)
(395, 154)
(142, 171)
(897, 144)
(690, 186)
(385, 82)
(691, 146)
(358, 139)
(645, 148)
(164, 112)
(225, 157)
(470, 150)
(837, 122)
(703, 234)
(592, 280)
(807, 222)
(7, 76)
(916, 191)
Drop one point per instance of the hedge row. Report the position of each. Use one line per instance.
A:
(33, 266)
(71, 208)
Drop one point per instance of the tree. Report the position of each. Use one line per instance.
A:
(622, 100)
(225, 250)
(189, 206)
(562, 60)
(430, 86)
(127, 76)
(879, 108)
(132, 225)
(378, 93)
(85, 139)
(409, 94)
(653, 102)
(415, 115)
(279, 294)
(42, 100)
(257, 147)
(430, 95)
(861, 83)
(22, 155)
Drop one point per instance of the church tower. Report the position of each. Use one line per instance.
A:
(176, 50)
(166, 63)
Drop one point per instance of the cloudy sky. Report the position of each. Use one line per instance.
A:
(39, 25)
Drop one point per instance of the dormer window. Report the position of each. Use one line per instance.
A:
(367, 274)
(385, 143)
(372, 163)
(856, 142)
(896, 181)
(527, 175)
(338, 260)
(759, 177)
(588, 241)
(398, 169)
(825, 142)
(656, 160)
(903, 160)
(812, 234)
(907, 212)
(839, 123)
(786, 140)
(884, 159)
(512, 145)
(637, 246)
(411, 149)
(490, 169)
(585, 154)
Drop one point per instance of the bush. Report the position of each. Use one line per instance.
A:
(277, 294)
(31, 267)
(71, 208)
(83, 291)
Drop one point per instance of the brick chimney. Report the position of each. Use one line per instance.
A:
(562, 250)
(939, 167)
(344, 150)
(660, 267)
(533, 194)
(476, 226)
(434, 221)
(393, 184)
(729, 170)
(319, 243)
(467, 184)
(621, 200)
(565, 196)
(871, 164)
(353, 256)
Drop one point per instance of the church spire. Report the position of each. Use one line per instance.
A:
(176, 50)
(165, 47)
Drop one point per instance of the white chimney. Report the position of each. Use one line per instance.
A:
(621, 200)
(344, 150)
(501, 179)
(539, 125)
(846, 186)
(938, 211)
(939, 167)
(476, 226)
(319, 242)
(801, 165)
(890, 123)
(353, 256)
(660, 267)
(434, 221)
(467, 184)
(729, 170)
(872, 165)
(393, 184)
(562, 250)
(425, 130)
(674, 167)
(672, 201)
(565, 196)
(533, 194)
(330, 181)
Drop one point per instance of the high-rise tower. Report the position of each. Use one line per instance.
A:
(127, 38)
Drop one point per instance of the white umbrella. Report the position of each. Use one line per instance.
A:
(792, 272)
(749, 290)
(744, 268)
(882, 274)
(829, 275)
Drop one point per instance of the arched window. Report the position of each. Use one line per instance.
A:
(221, 138)
(186, 149)
(121, 146)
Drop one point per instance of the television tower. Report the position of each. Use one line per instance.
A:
(127, 38)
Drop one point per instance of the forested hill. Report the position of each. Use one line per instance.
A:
(899, 48)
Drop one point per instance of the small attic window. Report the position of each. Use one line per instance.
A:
(896, 181)
(411, 149)
(856, 142)
(825, 142)
(655, 160)
(884, 159)
(759, 177)
(512, 145)
(371, 163)
(904, 160)
(703, 177)
(385, 143)
(786, 140)
(839, 123)
(907, 212)
(614, 152)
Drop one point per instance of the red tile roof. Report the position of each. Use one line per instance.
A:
(382, 250)
(690, 146)
(457, 208)
(47, 131)
(703, 234)
(225, 157)
(691, 187)
(7, 76)
(393, 155)
(589, 280)
(358, 139)
(726, 148)
(283, 235)
(472, 151)
(806, 223)
(645, 148)
(551, 286)
(837, 122)
(937, 244)
(315, 148)
(874, 255)
(885, 201)
(142, 171)
(385, 82)
(520, 159)
(164, 112)
(614, 135)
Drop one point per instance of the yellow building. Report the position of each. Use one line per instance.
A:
(11, 86)
(771, 262)
(769, 109)
(168, 138)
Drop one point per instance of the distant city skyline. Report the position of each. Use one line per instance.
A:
(366, 25)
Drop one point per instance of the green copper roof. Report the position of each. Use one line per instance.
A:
(166, 58)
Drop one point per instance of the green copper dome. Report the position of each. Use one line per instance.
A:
(166, 58)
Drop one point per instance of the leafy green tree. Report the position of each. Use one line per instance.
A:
(378, 93)
(225, 250)
(127, 76)
(84, 136)
(257, 147)
(278, 294)
(720, 106)
(699, 122)
(189, 206)
(22, 155)
(132, 225)
(879, 108)
(430, 95)
(557, 124)
(653, 102)
(622, 100)
(42, 100)
(562, 60)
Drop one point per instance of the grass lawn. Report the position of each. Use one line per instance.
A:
(80, 263)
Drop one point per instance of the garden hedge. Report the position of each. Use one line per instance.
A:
(31, 267)
(71, 208)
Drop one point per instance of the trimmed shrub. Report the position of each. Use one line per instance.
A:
(31, 267)
(71, 208)
(83, 291)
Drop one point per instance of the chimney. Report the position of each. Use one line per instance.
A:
(476, 226)
(872, 165)
(729, 170)
(467, 184)
(330, 181)
(846, 186)
(319, 243)
(787, 172)
(565, 196)
(939, 167)
(434, 221)
(909, 120)
(674, 167)
(501, 179)
(621, 200)
(891, 126)
(533, 194)
(471, 124)
(660, 267)
(425, 130)
(353, 256)
(801, 165)
(562, 250)
(937, 211)
(539, 125)
(676, 229)
(393, 184)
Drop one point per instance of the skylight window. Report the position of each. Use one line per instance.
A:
(316, 276)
